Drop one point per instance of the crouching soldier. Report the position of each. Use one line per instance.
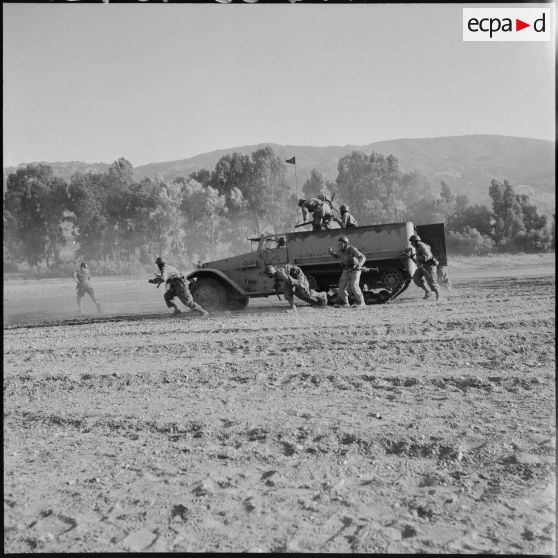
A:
(427, 264)
(347, 221)
(292, 282)
(176, 286)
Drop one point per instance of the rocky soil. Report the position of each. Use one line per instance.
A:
(409, 427)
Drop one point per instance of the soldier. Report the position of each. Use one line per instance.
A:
(83, 287)
(426, 272)
(176, 285)
(292, 281)
(352, 261)
(321, 212)
(347, 221)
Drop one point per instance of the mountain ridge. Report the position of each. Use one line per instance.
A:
(466, 163)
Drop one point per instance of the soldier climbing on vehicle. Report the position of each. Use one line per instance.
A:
(321, 210)
(291, 281)
(176, 286)
(347, 221)
(426, 273)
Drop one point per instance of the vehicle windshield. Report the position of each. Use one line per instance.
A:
(268, 242)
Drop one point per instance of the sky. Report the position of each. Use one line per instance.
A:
(163, 82)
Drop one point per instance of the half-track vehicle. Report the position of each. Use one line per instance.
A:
(229, 283)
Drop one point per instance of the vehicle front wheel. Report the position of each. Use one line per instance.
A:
(210, 294)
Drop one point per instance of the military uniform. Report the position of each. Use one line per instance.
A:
(82, 277)
(352, 261)
(427, 271)
(177, 286)
(292, 282)
(321, 213)
(347, 221)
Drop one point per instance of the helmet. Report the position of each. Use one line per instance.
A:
(343, 239)
(269, 269)
(343, 208)
(159, 261)
(414, 238)
(295, 271)
(301, 201)
(83, 265)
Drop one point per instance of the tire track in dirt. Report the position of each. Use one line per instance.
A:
(420, 428)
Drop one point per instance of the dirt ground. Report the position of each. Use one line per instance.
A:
(404, 428)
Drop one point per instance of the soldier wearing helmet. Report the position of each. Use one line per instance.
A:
(291, 281)
(347, 221)
(426, 273)
(82, 277)
(320, 209)
(176, 286)
(352, 261)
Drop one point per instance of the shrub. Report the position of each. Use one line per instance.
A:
(469, 243)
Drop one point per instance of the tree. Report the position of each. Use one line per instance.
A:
(267, 190)
(371, 185)
(507, 213)
(202, 208)
(469, 242)
(478, 217)
(314, 185)
(87, 201)
(35, 205)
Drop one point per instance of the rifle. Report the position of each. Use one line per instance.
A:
(325, 199)
(302, 224)
(157, 280)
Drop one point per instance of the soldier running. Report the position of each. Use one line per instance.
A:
(177, 286)
(352, 261)
(347, 221)
(292, 282)
(426, 272)
(82, 277)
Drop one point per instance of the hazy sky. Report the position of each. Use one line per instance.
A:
(160, 82)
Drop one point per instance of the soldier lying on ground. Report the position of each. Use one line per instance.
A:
(292, 282)
(176, 286)
(82, 277)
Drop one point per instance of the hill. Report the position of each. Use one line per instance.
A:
(466, 163)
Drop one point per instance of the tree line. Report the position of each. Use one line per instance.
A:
(118, 220)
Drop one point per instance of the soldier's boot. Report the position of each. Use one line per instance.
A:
(176, 310)
(340, 303)
(437, 293)
(426, 295)
(195, 307)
